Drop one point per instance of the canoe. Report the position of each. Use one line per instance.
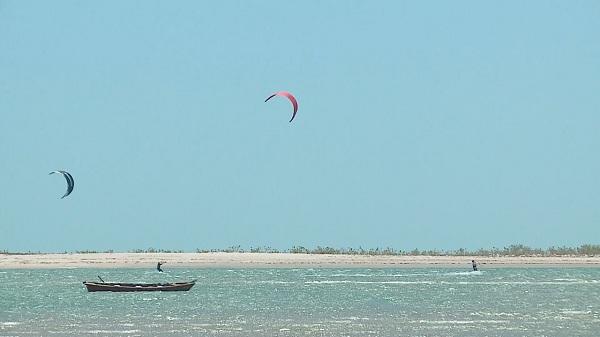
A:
(120, 287)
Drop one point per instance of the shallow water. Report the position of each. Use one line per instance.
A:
(306, 302)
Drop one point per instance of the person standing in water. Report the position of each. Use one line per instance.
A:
(158, 266)
(474, 265)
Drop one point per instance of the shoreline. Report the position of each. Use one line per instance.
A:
(281, 260)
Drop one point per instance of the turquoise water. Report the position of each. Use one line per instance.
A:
(306, 302)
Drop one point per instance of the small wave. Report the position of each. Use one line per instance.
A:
(355, 318)
(451, 282)
(9, 323)
(367, 282)
(464, 273)
(575, 280)
(96, 332)
(355, 275)
(378, 275)
(506, 314)
(275, 282)
(521, 282)
(459, 322)
(576, 312)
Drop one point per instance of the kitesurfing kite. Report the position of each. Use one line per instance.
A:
(70, 181)
(290, 97)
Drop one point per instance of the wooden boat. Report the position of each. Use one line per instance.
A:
(118, 286)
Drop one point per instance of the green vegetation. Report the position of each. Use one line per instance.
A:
(512, 250)
(91, 251)
(6, 252)
(239, 249)
(154, 250)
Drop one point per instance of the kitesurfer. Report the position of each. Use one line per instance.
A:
(158, 266)
(474, 265)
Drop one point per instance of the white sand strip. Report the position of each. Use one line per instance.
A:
(277, 260)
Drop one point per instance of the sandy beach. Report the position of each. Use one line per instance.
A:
(278, 260)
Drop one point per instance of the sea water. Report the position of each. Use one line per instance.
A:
(306, 302)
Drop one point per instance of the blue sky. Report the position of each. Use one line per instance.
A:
(428, 124)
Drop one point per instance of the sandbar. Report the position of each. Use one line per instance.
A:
(281, 260)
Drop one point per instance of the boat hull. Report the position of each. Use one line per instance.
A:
(130, 287)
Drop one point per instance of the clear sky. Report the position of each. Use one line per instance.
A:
(429, 124)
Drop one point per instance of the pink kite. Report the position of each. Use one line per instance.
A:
(290, 97)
